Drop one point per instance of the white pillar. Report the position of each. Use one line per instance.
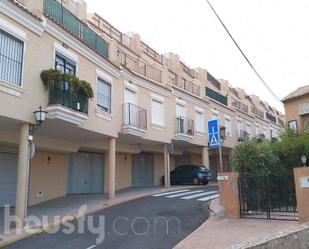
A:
(22, 176)
(167, 167)
(205, 157)
(111, 168)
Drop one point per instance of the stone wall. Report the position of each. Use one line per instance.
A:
(296, 238)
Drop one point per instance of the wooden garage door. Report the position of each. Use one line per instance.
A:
(86, 173)
(8, 179)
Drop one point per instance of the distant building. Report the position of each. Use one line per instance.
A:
(297, 109)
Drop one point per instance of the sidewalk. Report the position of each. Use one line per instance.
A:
(233, 233)
(70, 205)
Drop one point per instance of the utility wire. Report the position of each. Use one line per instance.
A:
(244, 55)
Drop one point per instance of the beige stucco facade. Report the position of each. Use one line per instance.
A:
(131, 67)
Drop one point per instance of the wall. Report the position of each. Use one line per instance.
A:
(288, 240)
(50, 178)
(158, 169)
(123, 171)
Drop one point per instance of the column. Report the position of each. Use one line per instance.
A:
(22, 176)
(111, 168)
(205, 157)
(167, 167)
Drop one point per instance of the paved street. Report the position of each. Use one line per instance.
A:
(159, 221)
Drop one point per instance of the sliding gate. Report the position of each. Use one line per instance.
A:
(268, 197)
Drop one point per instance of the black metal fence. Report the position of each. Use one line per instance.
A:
(268, 197)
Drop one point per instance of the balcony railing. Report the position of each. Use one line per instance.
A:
(59, 14)
(257, 112)
(241, 106)
(151, 52)
(216, 96)
(150, 71)
(134, 116)
(183, 83)
(184, 126)
(271, 117)
(126, 60)
(110, 30)
(63, 95)
(213, 81)
(193, 74)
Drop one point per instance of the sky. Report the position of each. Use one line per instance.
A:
(274, 34)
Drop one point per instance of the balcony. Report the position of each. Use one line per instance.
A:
(149, 71)
(257, 112)
(216, 96)
(271, 117)
(184, 129)
(65, 105)
(240, 106)
(108, 29)
(63, 17)
(184, 84)
(134, 120)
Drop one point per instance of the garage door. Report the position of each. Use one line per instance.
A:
(86, 173)
(182, 160)
(143, 169)
(8, 179)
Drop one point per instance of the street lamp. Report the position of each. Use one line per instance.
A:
(304, 160)
(40, 116)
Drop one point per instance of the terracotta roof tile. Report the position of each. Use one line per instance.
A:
(297, 93)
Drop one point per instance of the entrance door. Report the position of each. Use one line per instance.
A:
(143, 169)
(86, 173)
(130, 99)
(8, 179)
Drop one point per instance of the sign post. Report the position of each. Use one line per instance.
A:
(214, 138)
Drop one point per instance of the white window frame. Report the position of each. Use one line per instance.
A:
(21, 35)
(228, 126)
(199, 111)
(104, 76)
(159, 100)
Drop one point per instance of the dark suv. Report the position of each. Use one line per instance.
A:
(190, 174)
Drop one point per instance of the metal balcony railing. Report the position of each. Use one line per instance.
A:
(257, 112)
(62, 16)
(134, 115)
(126, 60)
(183, 83)
(63, 95)
(184, 126)
(241, 106)
(150, 71)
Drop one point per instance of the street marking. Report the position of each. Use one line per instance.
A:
(182, 194)
(208, 198)
(91, 247)
(168, 193)
(198, 195)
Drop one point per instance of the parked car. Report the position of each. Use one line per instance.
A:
(190, 174)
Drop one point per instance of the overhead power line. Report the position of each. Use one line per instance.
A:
(244, 55)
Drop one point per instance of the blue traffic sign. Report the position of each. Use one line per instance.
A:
(213, 133)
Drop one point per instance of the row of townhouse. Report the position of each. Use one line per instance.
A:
(143, 101)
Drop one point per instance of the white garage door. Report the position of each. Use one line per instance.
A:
(8, 178)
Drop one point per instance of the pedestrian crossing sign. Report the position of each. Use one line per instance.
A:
(213, 133)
